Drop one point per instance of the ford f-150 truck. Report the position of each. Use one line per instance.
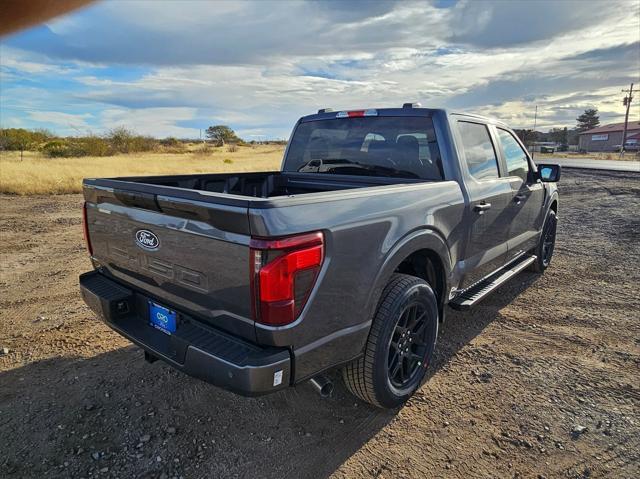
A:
(347, 258)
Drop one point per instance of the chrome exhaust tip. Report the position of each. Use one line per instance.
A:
(323, 385)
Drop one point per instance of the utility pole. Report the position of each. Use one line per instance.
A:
(627, 101)
(535, 123)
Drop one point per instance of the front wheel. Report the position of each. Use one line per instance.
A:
(400, 345)
(546, 245)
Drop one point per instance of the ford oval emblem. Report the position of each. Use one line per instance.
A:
(147, 240)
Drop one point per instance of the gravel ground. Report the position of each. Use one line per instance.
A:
(540, 380)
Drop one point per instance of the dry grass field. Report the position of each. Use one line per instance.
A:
(37, 174)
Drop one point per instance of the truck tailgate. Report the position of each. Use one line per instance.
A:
(189, 255)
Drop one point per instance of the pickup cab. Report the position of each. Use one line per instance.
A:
(347, 257)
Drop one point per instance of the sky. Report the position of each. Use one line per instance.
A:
(172, 68)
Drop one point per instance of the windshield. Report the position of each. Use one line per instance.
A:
(403, 147)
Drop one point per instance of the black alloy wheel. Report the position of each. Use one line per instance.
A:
(400, 344)
(549, 240)
(408, 346)
(546, 244)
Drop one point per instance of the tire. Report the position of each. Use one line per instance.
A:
(546, 244)
(407, 314)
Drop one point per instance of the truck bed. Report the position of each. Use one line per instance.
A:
(253, 185)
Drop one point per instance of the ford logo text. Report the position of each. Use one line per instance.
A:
(147, 240)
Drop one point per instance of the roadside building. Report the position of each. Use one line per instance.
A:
(607, 137)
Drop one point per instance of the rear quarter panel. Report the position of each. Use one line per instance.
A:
(363, 228)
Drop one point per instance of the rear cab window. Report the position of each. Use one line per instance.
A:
(384, 146)
(480, 155)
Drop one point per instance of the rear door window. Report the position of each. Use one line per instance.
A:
(479, 152)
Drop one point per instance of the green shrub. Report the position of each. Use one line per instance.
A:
(227, 160)
(122, 140)
(19, 139)
(143, 143)
(57, 149)
(172, 145)
(92, 146)
(171, 142)
(75, 147)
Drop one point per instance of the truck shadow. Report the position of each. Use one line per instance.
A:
(115, 411)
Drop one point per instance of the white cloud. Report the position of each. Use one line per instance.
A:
(158, 122)
(258, 66)
(21, 62)
(66, 120)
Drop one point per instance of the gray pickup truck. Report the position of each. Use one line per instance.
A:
(346, 258)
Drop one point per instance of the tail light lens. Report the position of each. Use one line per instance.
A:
(283, 272)
(85, 229)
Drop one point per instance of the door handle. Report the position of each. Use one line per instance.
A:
(481, 208)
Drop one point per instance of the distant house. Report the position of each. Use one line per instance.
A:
(608, 137)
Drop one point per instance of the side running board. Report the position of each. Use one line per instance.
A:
(477, 292)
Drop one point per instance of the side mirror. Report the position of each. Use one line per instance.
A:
(549, 173)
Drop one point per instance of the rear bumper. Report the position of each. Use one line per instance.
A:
(195, 349)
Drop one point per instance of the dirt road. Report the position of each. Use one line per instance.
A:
(541, 380)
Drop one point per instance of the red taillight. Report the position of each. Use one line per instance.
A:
(283, 272)
(85, 229)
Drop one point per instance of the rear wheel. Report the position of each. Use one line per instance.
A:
(546, 245)
(400, 345)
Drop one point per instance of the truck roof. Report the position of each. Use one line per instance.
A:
(327, 114)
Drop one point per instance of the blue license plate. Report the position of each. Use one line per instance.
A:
(162, 318)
